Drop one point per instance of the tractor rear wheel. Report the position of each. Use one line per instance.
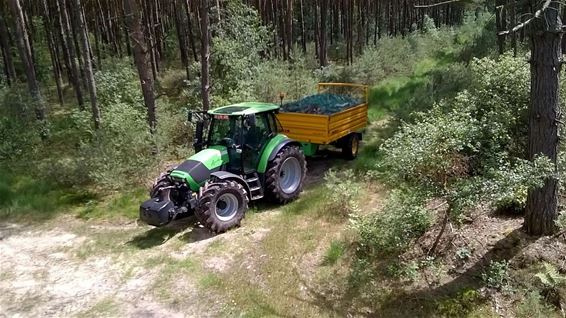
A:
(351, 146)
(222, 205)
(285, 175)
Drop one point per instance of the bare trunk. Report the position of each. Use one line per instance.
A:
(322, 46)
(205, 55)
(546, 53)
(87, 61)
(69, 52)
(24, 49)
(7, 52)
(142, 59)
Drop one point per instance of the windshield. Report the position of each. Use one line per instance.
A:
(224, 127)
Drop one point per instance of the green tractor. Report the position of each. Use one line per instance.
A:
(243, 158)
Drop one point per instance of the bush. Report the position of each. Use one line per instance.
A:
(342, 192)
(19, 131)
(403, 219)
(471, 148)
(497, 275)
(534, 306)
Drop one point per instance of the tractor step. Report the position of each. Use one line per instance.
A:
(256, 190)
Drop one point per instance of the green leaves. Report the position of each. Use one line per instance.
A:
(550, 277)
(470, 148)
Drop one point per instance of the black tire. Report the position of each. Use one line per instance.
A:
(208, 211)
(160, 183)
(351, 146)
(273, 176)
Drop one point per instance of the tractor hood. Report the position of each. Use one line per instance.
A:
(196, 170)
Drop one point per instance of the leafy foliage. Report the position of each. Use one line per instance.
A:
(497, 275)
(402, 219)
(550, 277)
(471, 148)
(342, 192)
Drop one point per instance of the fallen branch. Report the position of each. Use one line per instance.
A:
(420, 6)
(439, 236)
(527, 22)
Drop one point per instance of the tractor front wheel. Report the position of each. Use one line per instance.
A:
(222, 206)
(285, 175)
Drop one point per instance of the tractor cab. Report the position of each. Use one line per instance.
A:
(244, 129)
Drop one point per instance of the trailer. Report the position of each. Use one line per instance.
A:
(342, 129)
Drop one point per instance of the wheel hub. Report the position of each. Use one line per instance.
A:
(226, 206)
(290, 175)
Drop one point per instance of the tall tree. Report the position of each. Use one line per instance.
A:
(205, 54)
(9, 68)
(322, 46)
(142, 59)
(69, 52)
(53, 53)
(24, 49)
(182, 37)
(544, 118)
(87, 61)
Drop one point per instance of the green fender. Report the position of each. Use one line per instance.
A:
(271, 150)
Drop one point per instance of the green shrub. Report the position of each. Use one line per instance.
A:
(19, 131)
(497, 275)
(342, 192)
(470, 148)
(461, 305)
(238, 43)
(403, 219)
(334, 253)
(534, 306)
(561, 221)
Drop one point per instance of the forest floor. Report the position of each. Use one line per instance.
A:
(68, 266)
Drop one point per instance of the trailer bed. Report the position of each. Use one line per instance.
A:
(326, 129)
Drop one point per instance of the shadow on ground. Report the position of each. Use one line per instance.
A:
(422, 302)
(160, 235)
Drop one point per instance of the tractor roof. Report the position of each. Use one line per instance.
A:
(246, 108)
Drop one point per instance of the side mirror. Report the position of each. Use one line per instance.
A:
(250, 120)
(190, 116)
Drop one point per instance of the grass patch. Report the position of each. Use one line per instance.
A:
(210, 280)
(27, 199)
(311, 202)
(121, 205)
(104, 243)
(334, 252)
(107, 307)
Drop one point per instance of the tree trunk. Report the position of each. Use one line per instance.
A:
(205, 54)
(182, 39)
(190, 29)
(142, 59)
(87, 61)
(7, 52)
(52, 50)
(322, 46)
(546, 53)
(303, 33)
(24, 49)
(69, 52)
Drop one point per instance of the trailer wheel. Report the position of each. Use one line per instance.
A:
(222, 206)
(351, 146)
(285, 175)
